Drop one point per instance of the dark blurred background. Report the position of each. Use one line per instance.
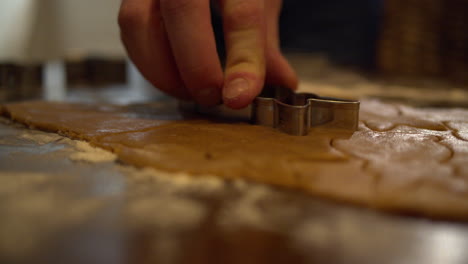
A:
(346, 31)
(413, 39)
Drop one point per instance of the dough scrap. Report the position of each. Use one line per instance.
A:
(385, 117)
(401, 159)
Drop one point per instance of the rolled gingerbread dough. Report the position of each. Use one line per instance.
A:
(402, 159)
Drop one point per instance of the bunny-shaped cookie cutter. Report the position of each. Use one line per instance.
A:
(290, 112)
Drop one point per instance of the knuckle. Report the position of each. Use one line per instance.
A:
(241, 60)
(244, 14)
(244, 59)
(129, 18)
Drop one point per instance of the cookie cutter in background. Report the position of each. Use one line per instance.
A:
(289, 112)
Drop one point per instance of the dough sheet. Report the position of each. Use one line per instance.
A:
(402, 159)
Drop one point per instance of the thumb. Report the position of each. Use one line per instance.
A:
(245, 37)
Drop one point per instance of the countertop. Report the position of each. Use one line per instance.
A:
(63, 201)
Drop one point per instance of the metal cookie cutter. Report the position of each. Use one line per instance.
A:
(292, 113)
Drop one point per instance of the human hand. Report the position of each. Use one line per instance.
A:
(172, 43)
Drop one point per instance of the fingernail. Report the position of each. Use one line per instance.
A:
(235, 88)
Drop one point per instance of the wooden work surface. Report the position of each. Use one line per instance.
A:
(63, 201)
(66, 202)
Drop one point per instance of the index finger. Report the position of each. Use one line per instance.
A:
(245, 35)
(191, 36)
